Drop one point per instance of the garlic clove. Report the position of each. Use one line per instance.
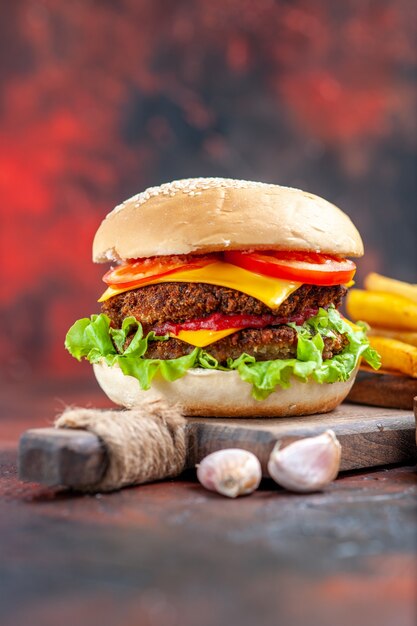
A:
(307, 464)
(232, 472)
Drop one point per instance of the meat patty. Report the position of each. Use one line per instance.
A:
(180, 302)
(264, 344)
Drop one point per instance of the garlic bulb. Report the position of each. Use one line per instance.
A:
(307, 464)
(231, 472)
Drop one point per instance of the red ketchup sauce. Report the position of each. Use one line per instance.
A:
(218, 321)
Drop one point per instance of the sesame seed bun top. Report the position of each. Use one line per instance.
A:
(200, 215)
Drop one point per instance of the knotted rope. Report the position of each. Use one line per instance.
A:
(143, 444)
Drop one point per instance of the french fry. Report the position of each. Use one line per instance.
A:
(405, 336)
(382, 309)
(377, 282)
(396, 355)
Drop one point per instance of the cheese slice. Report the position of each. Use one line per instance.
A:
(201, 338)
(270, 291)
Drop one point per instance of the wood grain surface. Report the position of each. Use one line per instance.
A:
(52, 456)
(385, 389)
(370, 437)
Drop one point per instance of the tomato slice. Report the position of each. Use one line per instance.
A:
(311, 268)
(139, 271)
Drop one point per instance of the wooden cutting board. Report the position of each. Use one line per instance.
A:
(369, 437)
(383, 388)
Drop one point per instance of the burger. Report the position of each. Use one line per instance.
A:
(223, 299)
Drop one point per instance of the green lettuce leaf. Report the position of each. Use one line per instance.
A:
(95, 340)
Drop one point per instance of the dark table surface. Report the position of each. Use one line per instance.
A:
(173, 554)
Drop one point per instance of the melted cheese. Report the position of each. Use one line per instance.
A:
(270, 291)
(203, 338)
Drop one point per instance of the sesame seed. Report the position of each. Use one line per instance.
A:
(191, 187)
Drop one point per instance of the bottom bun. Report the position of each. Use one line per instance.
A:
(213, 393)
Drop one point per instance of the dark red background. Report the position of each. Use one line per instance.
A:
(100, 99)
